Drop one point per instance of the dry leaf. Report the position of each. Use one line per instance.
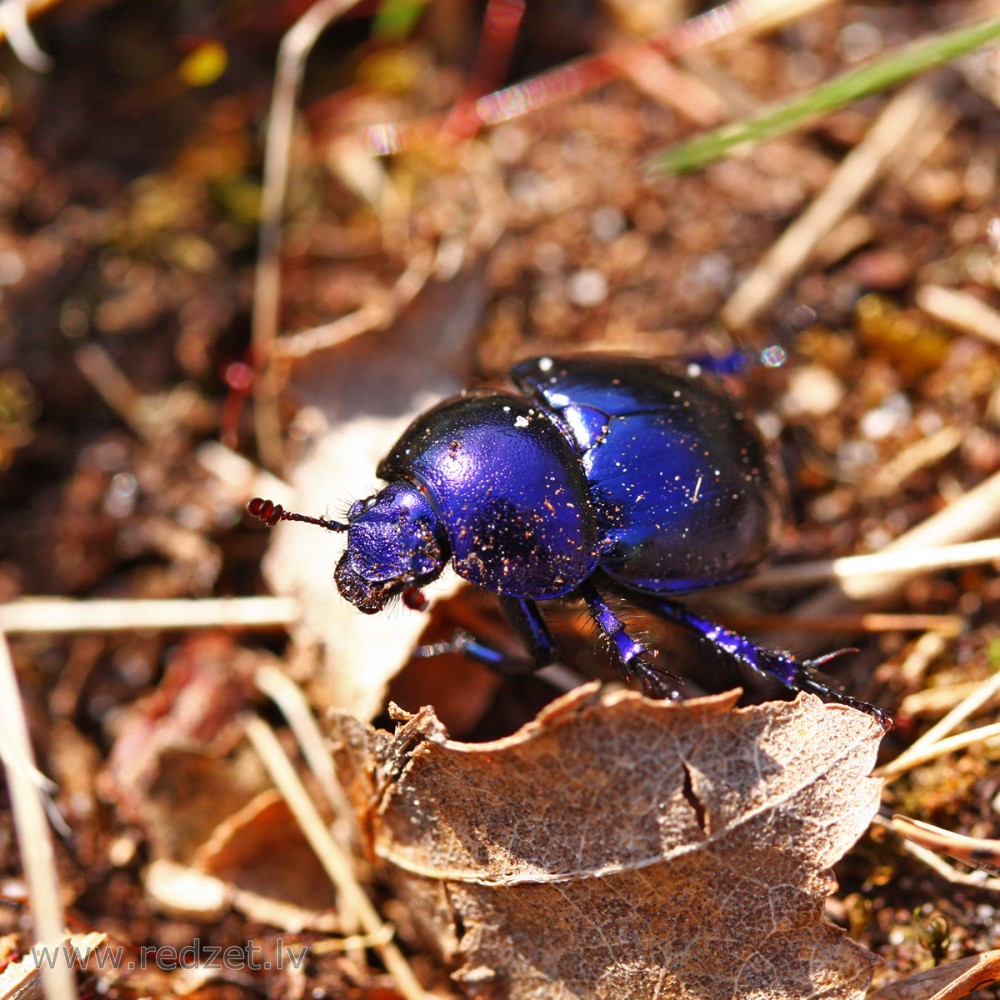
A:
(262, 854)
(618, 846)
(218, 837)
(176, 767)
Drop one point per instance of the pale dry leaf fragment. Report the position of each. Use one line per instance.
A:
(186, 892)
(618, 846)
(359, 399)
(22, 980)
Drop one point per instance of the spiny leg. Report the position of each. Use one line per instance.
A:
(526, 620)
(634, 659)
(798, 675)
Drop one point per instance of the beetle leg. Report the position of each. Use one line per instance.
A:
(634, 658)
(798, 675)
(527, 621)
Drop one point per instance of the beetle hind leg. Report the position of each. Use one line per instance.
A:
(797, 675)
(635, 661)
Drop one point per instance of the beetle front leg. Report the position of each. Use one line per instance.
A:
(635, 662)
(526, 619)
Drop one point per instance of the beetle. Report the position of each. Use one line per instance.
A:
(600, 474)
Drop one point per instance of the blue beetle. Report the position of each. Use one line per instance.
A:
(602, 472)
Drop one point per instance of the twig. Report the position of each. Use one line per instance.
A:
(372, 316)
(909, 562)
(961, 311)
(295, 49)
(336, 864)
(51, 614)
(893, 129)
(33, 835)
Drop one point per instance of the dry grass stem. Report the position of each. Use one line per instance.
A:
(922, 453)
(113, 386)
(290, 698)
(292, 55)
(922, 654)
(375, 315)
(933, 703)
(298, 713)
(33, 835)
(15, 29)
(355, 942)
(849, 567)
(909, 760)
(240, 478)
(940, 625)
(53, 615)
(893, 129)
(976, 852)
(967, 707)
(337, 864)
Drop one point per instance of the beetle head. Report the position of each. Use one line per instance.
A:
(394, 541)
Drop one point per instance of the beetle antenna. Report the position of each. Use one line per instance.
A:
(271, 513)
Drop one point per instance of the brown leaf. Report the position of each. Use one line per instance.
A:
(627, 847)
(262, 853)
(256, 861)
(177, 767)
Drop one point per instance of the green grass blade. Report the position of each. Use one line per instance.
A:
(850, 86)
(396, 19)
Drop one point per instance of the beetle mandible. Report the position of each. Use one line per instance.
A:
(603, 473)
